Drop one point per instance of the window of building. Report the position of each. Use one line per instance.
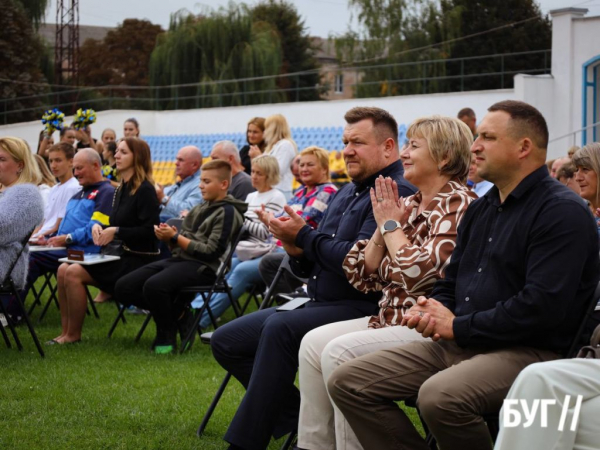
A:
(339, 84)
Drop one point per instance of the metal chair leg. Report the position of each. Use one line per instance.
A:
(144, 325)
(289, 441)
(116, 321)
(29, 326)
(11, 327)
(5, 336)
(213, 405)
(91, 302)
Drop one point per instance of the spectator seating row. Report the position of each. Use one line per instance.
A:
(165, 147)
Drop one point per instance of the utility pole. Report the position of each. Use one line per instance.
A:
(66, 48)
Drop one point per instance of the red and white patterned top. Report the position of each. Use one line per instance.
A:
(415, 267)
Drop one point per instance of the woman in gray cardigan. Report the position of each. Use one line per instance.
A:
(21, 206)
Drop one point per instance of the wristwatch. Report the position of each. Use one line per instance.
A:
(69, 239)
(389, 226)
(174, 238)
(164, 200)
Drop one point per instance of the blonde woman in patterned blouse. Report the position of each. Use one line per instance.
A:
(404, 258)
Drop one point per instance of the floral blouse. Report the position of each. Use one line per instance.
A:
(415, 268)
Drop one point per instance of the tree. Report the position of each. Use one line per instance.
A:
(213, 49)
(393, 29)
(477, 16)
(20, 74)
(390, 29)
(122, 57)
(35, 10)
(297, 50)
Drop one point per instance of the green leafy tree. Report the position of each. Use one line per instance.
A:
(390, 31)
(35, 10)
(20, 73)
(532, 31)
(416, 32)
(220, 50)
(297, 50)
(122, 57)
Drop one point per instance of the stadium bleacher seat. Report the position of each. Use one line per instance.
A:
(164, 148)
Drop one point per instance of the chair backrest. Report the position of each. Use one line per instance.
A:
(24, 243)
(226, 262)
(176, 222)
(588, 323)
(285, 264)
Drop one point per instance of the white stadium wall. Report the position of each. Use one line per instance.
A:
(304, 114)
(558, 96)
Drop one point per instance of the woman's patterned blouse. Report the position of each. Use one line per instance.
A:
(415, 267)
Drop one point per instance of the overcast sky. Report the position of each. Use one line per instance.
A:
(321, 17)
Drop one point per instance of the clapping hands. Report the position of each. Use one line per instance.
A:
(387, 204)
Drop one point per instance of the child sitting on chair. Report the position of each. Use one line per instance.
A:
(197, 250)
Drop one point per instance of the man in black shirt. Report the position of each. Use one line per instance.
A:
(522, 273)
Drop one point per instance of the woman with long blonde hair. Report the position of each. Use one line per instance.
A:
(280, 145)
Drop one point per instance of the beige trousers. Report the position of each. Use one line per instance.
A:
(555, 380)
(455, 388)
(321, 425)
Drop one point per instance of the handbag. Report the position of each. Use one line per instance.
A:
(591, 351)
(113, 248)
(252, 249)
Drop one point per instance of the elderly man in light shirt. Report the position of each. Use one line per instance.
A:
(185, 194)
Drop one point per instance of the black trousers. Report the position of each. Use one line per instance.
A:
(261, 351)
(269, 264)
(155, 286)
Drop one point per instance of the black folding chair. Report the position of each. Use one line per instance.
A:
(220, 285)
(7, 287)
(206, 337)
(588, 322)
(53, 288)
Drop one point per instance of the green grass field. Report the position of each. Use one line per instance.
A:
(110, 393)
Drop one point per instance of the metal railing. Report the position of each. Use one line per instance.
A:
(415, 77)
(572, 136)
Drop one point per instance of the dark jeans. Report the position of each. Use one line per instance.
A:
(268, 267)
(261, 351)
(155, 287)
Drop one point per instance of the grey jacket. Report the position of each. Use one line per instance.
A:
(21, 210)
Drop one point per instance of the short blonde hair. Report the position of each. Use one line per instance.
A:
(588, 157)
(21, 153)
(276, 129)
(448, 139)
(270, 166)
(220, 167)
(572, 150)
(321, 154)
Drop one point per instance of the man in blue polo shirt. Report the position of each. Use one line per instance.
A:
(261, 349)
(521, 276)
(91, 205)
(185, 194)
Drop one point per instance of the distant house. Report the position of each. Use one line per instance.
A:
(48, 33)
(341, 81)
